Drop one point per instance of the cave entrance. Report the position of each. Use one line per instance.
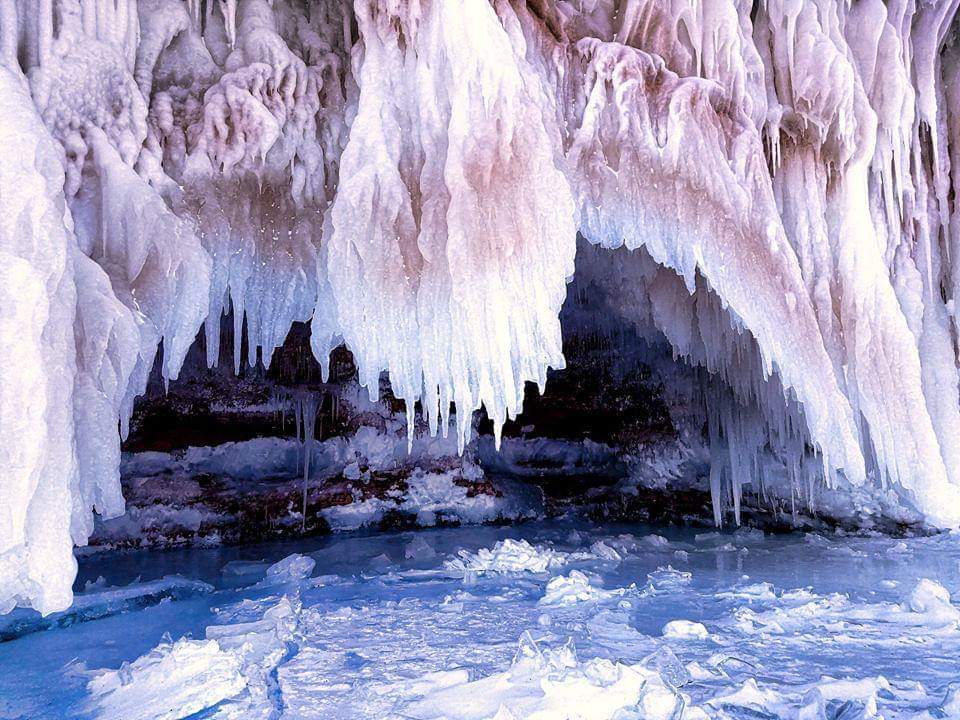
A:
(219, 454)
(622, 433)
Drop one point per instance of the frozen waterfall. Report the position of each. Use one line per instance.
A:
(411, 177)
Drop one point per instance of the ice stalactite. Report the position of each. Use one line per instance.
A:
(305, 406)
(256, 143)
(452, 169)
(802, 109)
(747, 417)
(306, 410)
(410, 177)
(711, 217)
(865, 225)
(128, 272)
(153, 257)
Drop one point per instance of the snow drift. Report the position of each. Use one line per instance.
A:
(411, 177)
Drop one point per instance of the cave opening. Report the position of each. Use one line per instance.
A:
(621, 434)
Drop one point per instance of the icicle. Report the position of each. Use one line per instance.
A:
(476, 187)
(228, 9)
(309, 409)
(211, 335)
(298, 420)
(238, 325)
(411, 424)
(716, 477)
(737, 492)
(195, 12)
(717, 464)
(44, 38)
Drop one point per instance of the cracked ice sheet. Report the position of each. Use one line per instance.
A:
(382, 626)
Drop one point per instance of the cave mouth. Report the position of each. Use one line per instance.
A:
(621, 434)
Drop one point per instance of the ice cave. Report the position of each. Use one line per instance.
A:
(480, 359)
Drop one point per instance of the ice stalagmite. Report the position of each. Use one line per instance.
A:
(410, 177)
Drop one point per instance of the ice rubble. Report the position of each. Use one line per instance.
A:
(573, 588)
(415, 643)
(188, 674)
(507, 556)
(552, 682)
(231, 672)
(411, 177)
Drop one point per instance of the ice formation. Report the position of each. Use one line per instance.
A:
(573, 588)
(411, 177)
(505, 557)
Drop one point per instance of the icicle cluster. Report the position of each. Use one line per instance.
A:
(410, 176)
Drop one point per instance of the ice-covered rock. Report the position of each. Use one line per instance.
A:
(430, 496)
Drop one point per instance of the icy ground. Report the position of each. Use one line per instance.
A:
(537, 621)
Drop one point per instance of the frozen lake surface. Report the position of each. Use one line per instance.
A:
(532, 621)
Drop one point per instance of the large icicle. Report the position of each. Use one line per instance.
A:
(453, 229)
(822, 186)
